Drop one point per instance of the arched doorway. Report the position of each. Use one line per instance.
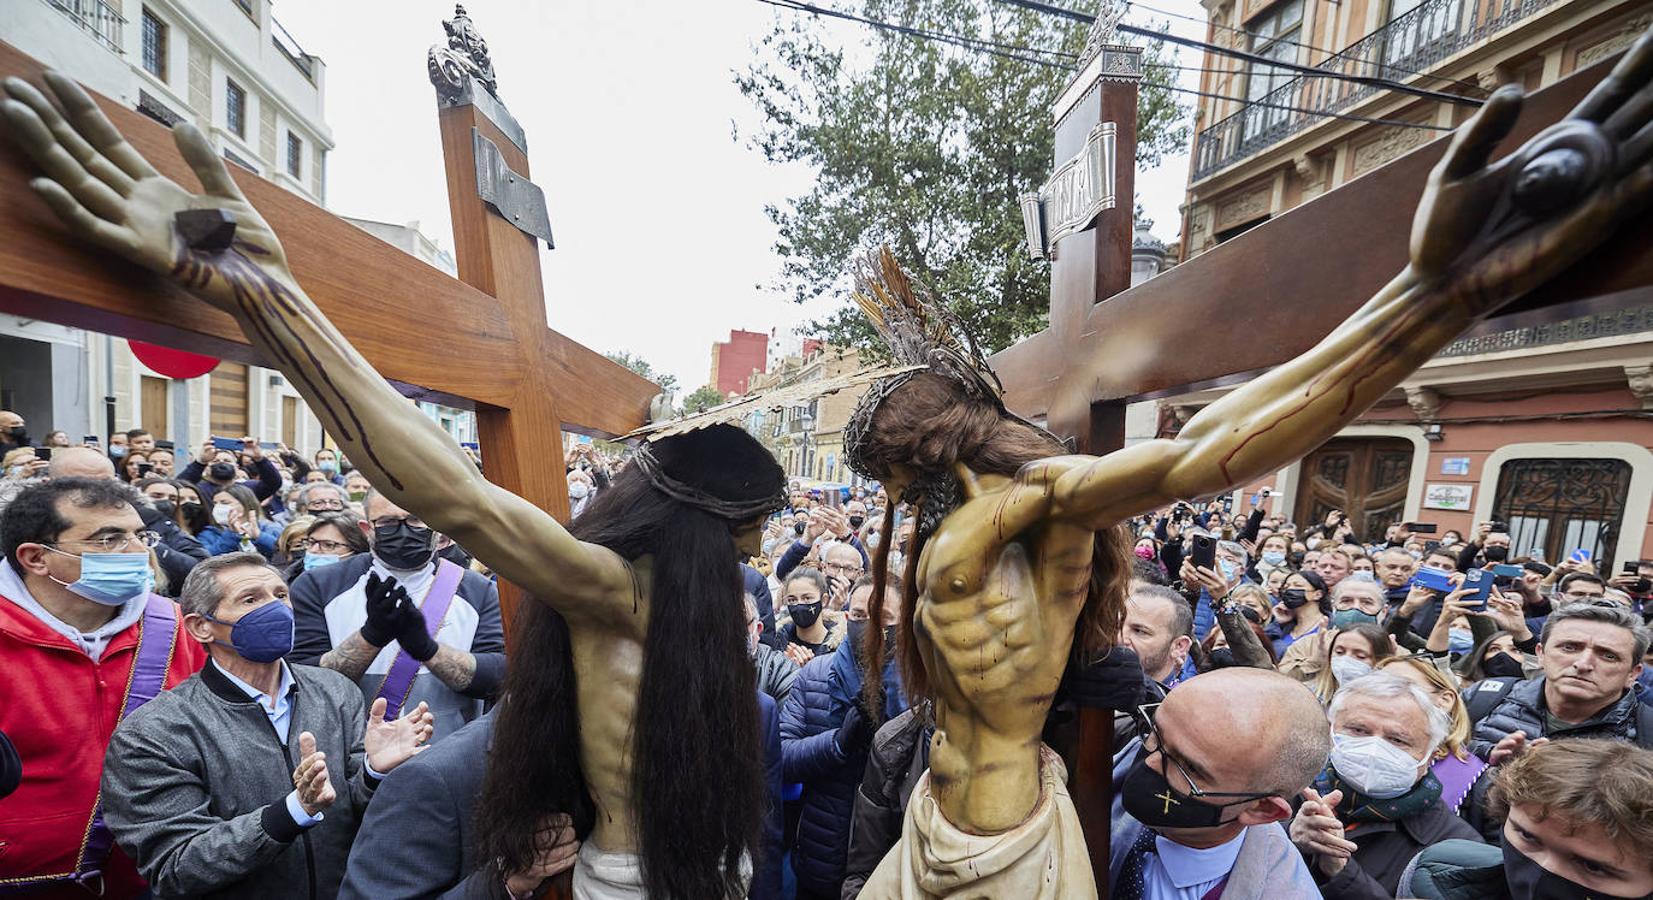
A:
(1365, 477)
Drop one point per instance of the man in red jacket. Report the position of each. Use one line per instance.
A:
(83, 641)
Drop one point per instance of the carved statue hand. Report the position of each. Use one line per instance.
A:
(1498, 230)
(106, 192)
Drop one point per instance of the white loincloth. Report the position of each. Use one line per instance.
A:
(601, 875)
(1044, 857)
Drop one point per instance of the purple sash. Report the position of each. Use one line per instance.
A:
(400, 679)
(1457, 777)
(156, 636)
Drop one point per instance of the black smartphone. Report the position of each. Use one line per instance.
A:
(1631, 567)
(90, 439)
(1204, 554)
(1421, 527)
(145, 468)
(43, 453)
(165, 445)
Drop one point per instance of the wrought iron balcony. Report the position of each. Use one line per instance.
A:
(1412, 42)
(96, 18)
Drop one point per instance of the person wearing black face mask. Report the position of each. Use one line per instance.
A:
(214, 469)
(1195, 811)
(827, 725)
(14, 433)
(1576, 816)
(403, 623)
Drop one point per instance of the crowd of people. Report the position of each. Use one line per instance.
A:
(255, 675)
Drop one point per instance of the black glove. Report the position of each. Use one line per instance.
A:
(383, 595)
(1115, 681)
(411, 630)
(855, 735)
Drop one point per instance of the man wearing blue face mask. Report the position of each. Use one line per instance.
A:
(83, 642)
(1377, 803)
(403, 623)
(249, 779)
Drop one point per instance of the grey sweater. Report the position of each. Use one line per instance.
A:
(195, 785)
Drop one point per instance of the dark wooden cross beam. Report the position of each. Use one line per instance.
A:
(479, 342)
(1293, 280)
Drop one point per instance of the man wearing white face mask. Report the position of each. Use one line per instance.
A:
(83, 642)
(1376, 804)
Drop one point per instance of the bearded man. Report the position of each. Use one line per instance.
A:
(607, 702)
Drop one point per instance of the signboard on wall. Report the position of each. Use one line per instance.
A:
(1455, 465)
(1455, 497)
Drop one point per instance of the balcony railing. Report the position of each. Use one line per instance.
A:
(289, 48)
(1412, 42)
(96, 18)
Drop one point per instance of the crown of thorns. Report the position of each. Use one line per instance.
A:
(921, 334)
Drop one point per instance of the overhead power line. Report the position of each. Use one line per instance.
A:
(994, 48)
(1052, 10)
(1401, 123)
(1367, 80)
(1133, 4)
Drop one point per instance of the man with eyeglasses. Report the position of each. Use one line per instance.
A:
(1197, 812)
(319, 497)
(402, 622)
(176, 551)
(83, 642)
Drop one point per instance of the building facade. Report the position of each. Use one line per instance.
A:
(808, 439)
(735, 360)
(229, 67)
(1547, 428)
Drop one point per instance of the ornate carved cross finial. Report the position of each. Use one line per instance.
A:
(1104, 30)
(465, 58)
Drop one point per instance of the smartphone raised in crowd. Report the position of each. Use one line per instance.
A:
(1204, 554)
(1421, 527)
(833, 497)
(43, 453)
(230, 444)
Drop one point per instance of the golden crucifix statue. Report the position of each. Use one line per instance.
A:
(1018, 555)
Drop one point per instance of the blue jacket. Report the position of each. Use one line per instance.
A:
(219, 540)
(810, 754)
(766, 870)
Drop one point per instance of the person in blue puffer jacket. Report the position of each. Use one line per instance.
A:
(825, 736)
(239, 524)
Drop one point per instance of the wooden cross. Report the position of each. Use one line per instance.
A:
(1203, 323)
(480, 341)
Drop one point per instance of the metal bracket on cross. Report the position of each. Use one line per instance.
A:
(519, 200)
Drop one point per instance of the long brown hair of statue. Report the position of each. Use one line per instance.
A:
(928, 424)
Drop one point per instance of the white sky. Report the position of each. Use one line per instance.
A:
(630, 110)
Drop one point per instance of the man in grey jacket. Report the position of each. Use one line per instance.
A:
(248, 780)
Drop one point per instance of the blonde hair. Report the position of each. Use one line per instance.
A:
(1457, 738)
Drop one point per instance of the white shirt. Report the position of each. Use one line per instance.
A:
(348, 612)
(1176, 872)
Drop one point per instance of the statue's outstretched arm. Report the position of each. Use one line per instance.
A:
(109, 194)
(1484, 234)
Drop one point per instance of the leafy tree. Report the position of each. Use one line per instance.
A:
(926, 147)
(704, 397)
(667, 381)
